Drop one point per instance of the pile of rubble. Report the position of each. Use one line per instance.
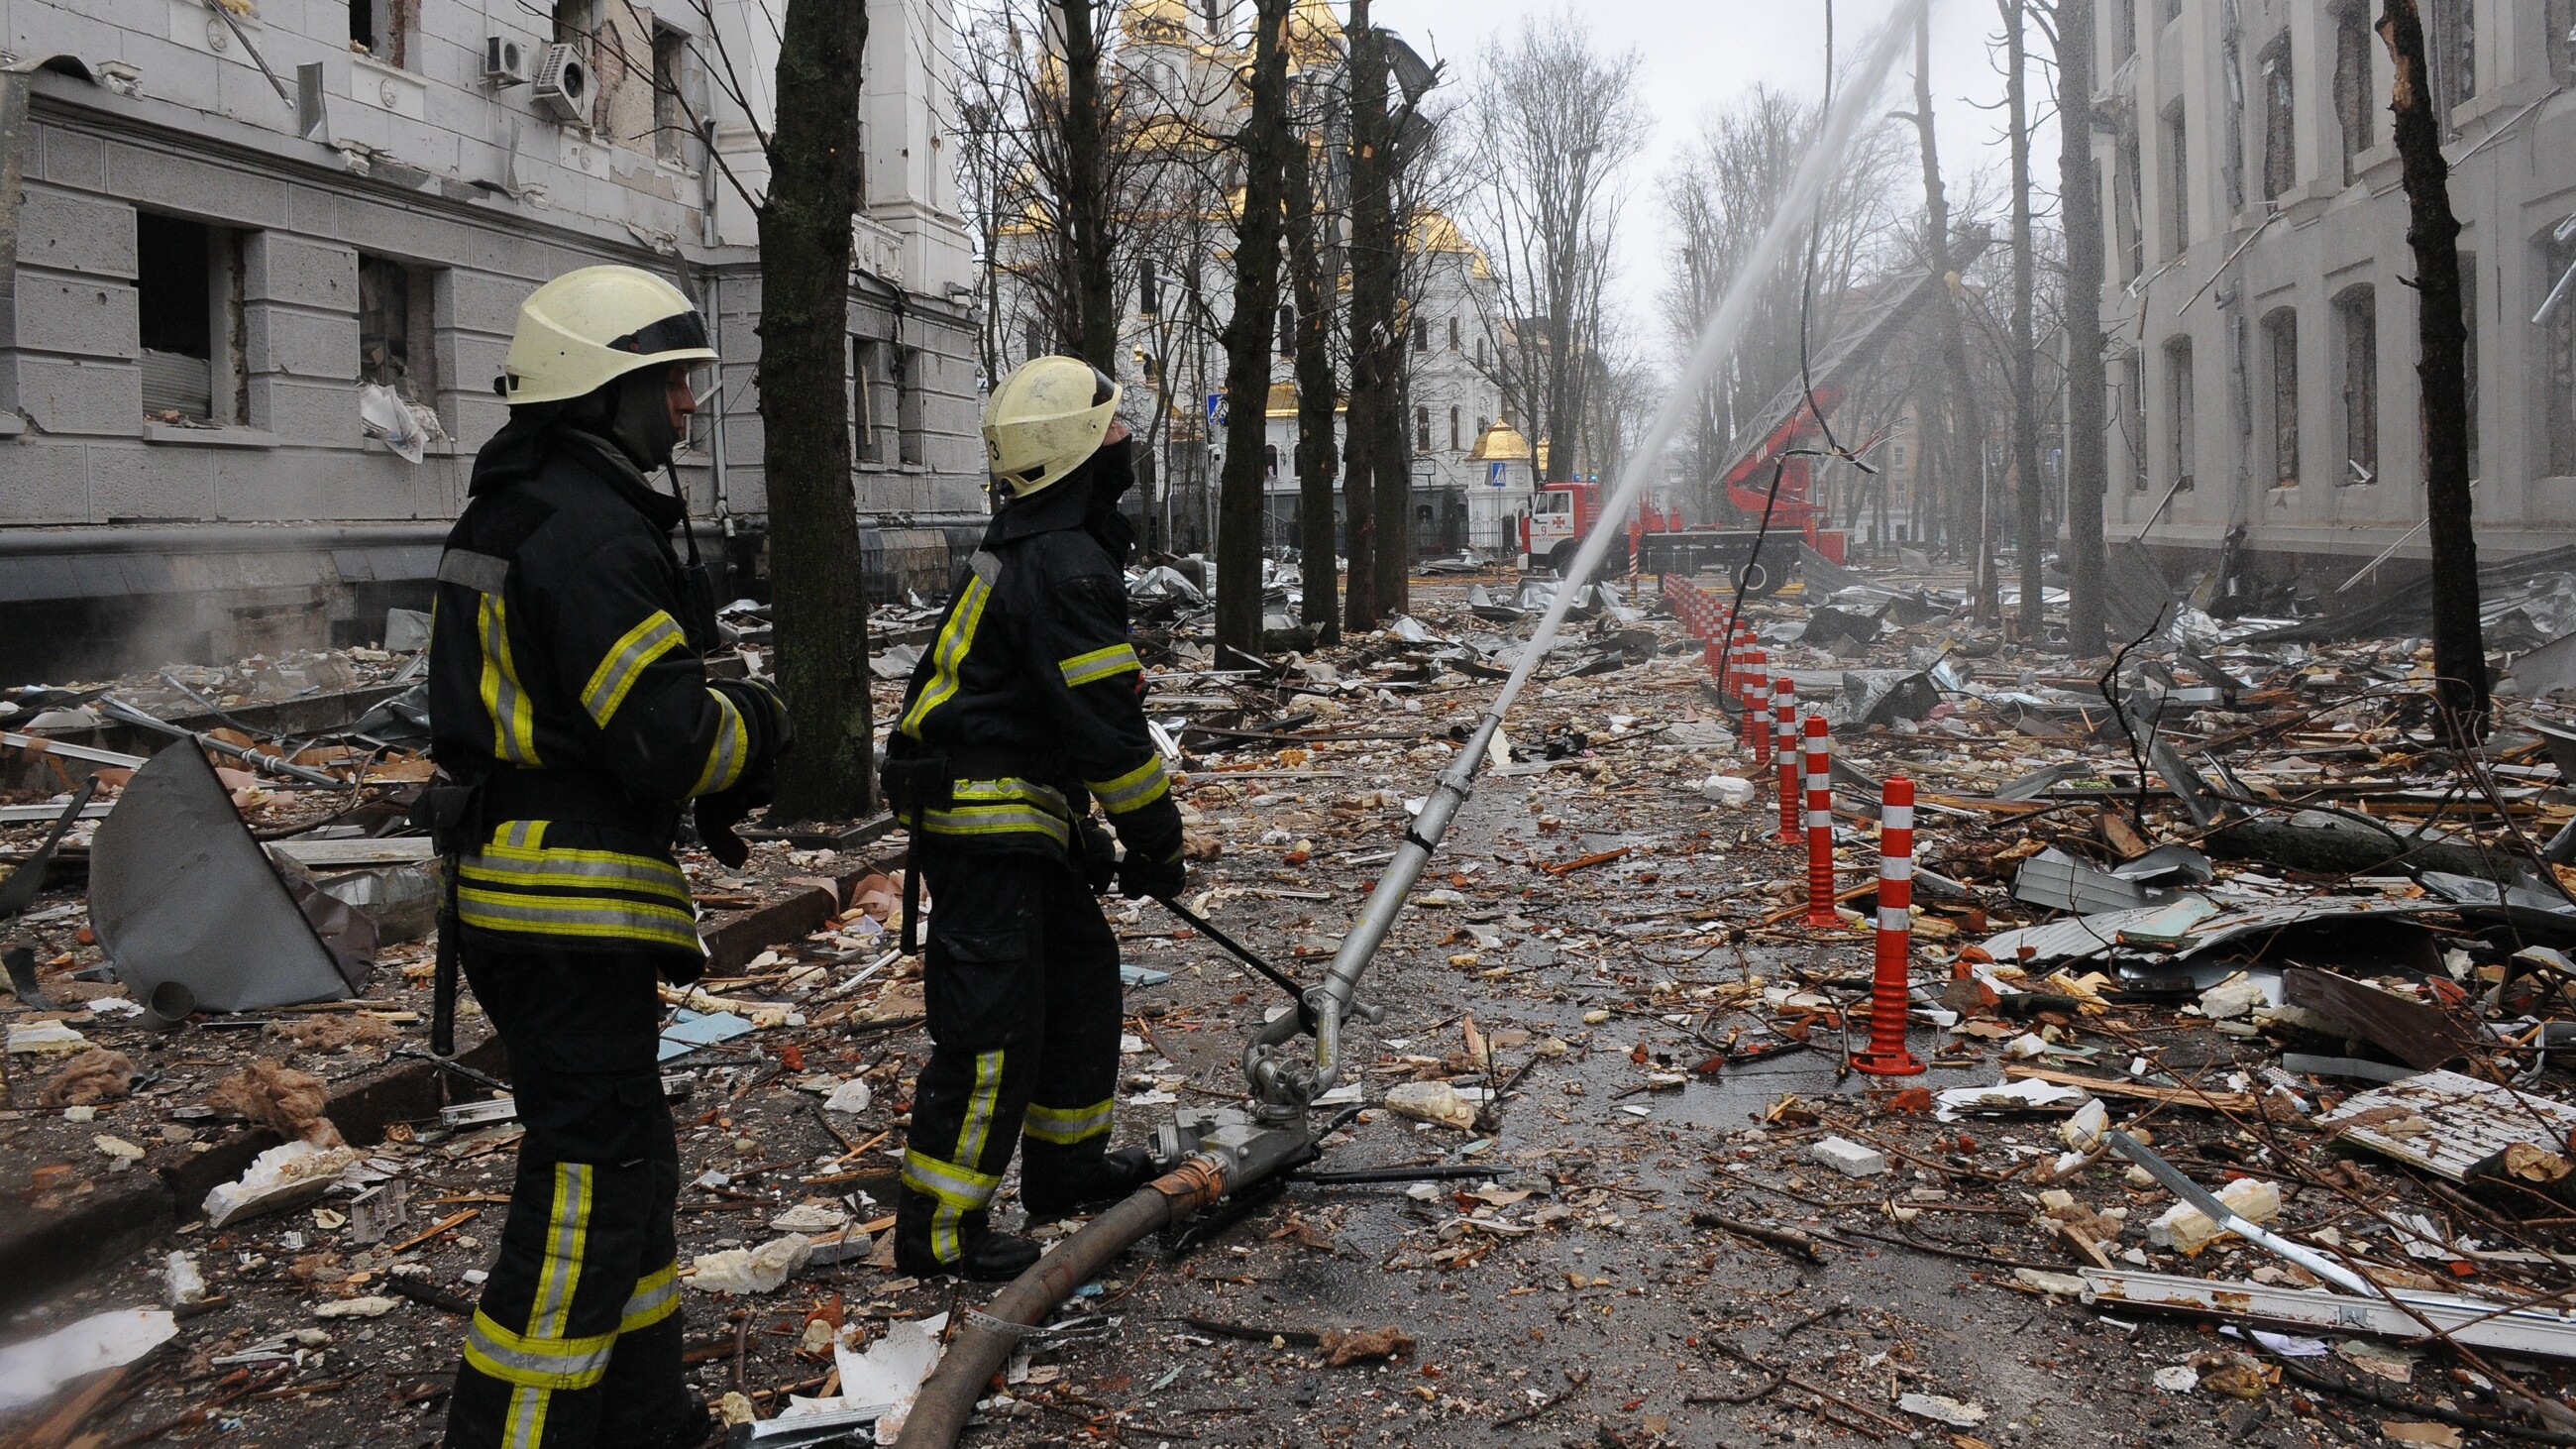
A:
(2232, 916)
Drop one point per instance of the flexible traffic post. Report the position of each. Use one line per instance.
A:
(1784, 725)
(1820, 826)
(1757, 688)
(1890, 991)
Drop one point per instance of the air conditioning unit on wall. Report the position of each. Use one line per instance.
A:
(505, 61)
(562, 88)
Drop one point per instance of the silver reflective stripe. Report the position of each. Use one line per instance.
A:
(1891, 918)
(987, 567)
(648, 1300)
(526, 1361)
(1896, 867)
(562, 868)
(1896, 817)
(482, 572)
(563, 1252)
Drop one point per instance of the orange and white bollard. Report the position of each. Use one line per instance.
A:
(1820, 827)
(1890, 992)
(1784, 726)
(1757, 724)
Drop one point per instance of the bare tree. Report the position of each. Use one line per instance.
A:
(1265, 144)
(805, 242)
(2028, 488)
(1553, 125)
(2433, 231)
(2087, 424)
(1375, 446)
(1314, 288)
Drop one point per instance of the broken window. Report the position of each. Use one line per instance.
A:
(397, 333)
(2179, 434)
(2559, 43)
(1421, 337)
(1287, 331)
(2177, 140)
(1422, 429)
(671, 124)
(188, 314)
(2280, 159)
(2172, 11)
(1453, 334)
(2130, 201)
(1454, 420)
(2451, 43)
(2281, 360)
(1480, 353)
(379, 28)
(2353, 110)
(2356, 316)
(871, 406)
(2133, 418)
(2558, 348)
(1149, 293)
(1037, 343)
(2124, 30)
(912, 431)
(2469, 348)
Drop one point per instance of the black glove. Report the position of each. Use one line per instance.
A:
(771, 734)
(1144, 878)
(1099, 857)
(718, 814)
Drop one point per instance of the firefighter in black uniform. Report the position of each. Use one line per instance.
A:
(1026, 710)
(573, 722)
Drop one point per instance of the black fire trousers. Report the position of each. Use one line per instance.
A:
(577, 1340)
(1021, 990)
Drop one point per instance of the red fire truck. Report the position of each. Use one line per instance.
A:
(1662, 541)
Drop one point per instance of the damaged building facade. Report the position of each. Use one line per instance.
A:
(243, 228)
(2257, 301)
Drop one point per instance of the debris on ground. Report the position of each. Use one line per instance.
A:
(2236, 893)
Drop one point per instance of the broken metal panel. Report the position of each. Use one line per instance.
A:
(2472, 1321)
(180, 892)
(2466, 1121)
(2060, 882)
(2419, 1035)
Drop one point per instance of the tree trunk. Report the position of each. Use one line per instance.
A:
(2028, 484)
(1265, 144)
(1088, 205)
(1394, 456)
(1940, 404)
(2459, 654)
(1318, 395)
(1374, 545)
(2087, 413)
(820, 596)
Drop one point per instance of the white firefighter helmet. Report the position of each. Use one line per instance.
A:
(1044, 420)
(596, 324)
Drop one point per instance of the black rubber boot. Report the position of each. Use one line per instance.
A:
(982, 1254)
(1113, 1175)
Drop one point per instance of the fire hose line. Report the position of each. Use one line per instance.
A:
(948, 1396)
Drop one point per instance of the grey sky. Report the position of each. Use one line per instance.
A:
(1700, 54)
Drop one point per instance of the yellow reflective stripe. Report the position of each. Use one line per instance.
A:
(514, 720)
(1067, 1125)
(728, 755)
(948, 656)
(566, 1235)
(1135, 790)
(978, 1126)
(1100, 664)
(533, 1362)
(656, 1297)
(526, 1426)
(591, 918)
(576, 869)
(997, 820)
(961, 1187)
(624, 663)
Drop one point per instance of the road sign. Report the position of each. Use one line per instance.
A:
(1494, 474)
(1216, 410)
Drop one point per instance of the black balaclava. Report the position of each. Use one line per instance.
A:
(632, 412)
(1112, 472)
